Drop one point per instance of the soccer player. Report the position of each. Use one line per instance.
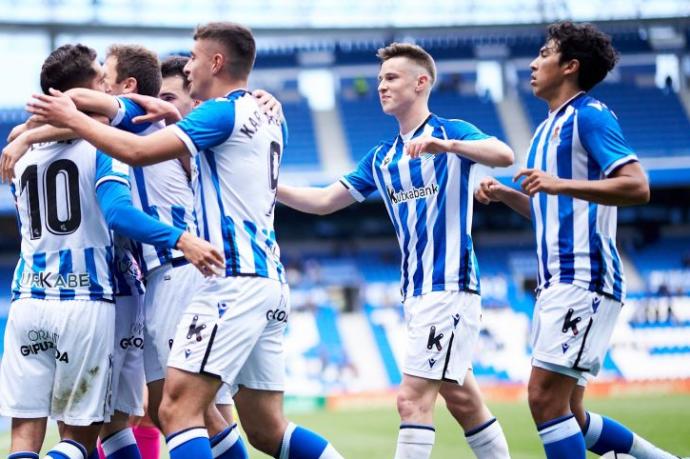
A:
(224, 336)
(59, 340)
(579, 169)
(429, 201)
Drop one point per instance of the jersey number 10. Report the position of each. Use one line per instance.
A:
(70, 174)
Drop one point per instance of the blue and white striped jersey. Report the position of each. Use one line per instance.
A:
(237, 150)
(161, 190)
(429, 200)
(576, 239)
(66, 250)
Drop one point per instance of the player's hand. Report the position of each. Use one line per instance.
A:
(56, 109)
(17, 131)
(421, 145)
(537, 180)
(156, 110)
(201, 254)
(268, 103)
(10, 155)
(488, 190)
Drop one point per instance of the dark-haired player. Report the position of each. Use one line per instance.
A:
(579, 170)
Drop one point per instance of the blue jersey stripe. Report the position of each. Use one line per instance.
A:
(420, 227)
(232, 256)
(543, 205)
(95, 289)
(65, 270)
(439, 271)
(260, 263)
(566, 227)
(617, 277)
(271, 243)
(18, 278)
(403, 213)
(164, 254)
(595, 250)
(178, 217)
(39, 267)
(463, 275)
(531, 160)
(202, 200)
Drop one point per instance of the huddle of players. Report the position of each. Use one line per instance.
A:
(578, 169)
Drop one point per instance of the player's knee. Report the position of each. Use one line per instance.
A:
(460, 403)
(410, 405)
(266, 438)
(538, 398)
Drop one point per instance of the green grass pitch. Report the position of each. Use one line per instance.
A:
(371, 433)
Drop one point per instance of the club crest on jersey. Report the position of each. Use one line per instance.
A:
(555, 137)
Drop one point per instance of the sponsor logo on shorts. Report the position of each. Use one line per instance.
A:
(431, 363)
(398, 197)
(47, 279)
(222, 307)
(195, 330)
(44, 346)
(569, 323)
(136, 342)
(434, 339)
(456, 320)
(279, 315)
(595, 304)
(565, 347)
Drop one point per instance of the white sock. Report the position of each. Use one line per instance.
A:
(488, 441)
(118, 440)
(69, 449)
(415, 441)
(330, 453)
(642, 449)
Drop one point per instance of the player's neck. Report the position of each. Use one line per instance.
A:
(561, 96)
(412, 118)
(221, 88)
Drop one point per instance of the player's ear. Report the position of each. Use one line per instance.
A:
(423, 82)
(571, 67)
(217, 63)
(130, 84)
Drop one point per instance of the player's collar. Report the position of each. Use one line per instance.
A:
(553, 112)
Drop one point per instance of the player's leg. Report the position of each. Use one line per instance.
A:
(117, 438)
(148, 438)
(482, 430)
(261, 413)
(415, 403)
(27, 437)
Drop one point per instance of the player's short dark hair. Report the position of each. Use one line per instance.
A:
(238, 42)
(174, 66)
(67, 67)
(134, 61)
(415, 53)
(591, 47)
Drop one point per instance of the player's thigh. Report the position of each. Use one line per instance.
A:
(81, 389)
(572, 328)
(29, 361)
(442, 332)
(225, 321)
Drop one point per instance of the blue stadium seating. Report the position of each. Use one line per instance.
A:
(301, 146)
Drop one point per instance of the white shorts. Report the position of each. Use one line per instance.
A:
(169, 290)
(234, 329)
(58, 360)
(128, 355)
(571, 329)
(442, 333)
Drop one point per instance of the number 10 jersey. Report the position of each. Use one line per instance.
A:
(66, 250)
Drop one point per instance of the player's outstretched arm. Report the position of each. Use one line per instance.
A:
(311, 200)
(491, 190)
(626, 186)
(91, 101)
(490, 152)
(122, 217)
(60, 111)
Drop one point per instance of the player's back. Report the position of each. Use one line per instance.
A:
(238, 177)
(66, 248)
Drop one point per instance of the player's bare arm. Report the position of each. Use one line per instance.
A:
(490, 152)
(59, 110)
(91, 101)
(627, 186)
(156, 109)
(311, 200)
(491, 190)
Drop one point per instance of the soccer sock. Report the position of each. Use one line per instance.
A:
(148, 441)
(67, 449)
(562, 438)
(97, 453)
(228, 444)
(189, 443)
(488, 441)
(23, 455)
(121, 445)
(415, 441)
(301, 443)
(603, 434)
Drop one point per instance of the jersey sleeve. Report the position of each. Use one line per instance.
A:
(109, 169)
(128, 110)
(462, 130)
(360, 182)
(208, 125)
(602, 137)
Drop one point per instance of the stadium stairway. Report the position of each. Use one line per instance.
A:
(515, 123)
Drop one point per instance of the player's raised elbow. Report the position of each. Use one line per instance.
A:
(642, 193)
(501, 154)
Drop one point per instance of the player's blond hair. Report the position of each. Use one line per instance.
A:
(413, 52)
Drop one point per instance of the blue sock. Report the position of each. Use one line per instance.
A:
(603, 435)
(23, 455)
(189, 443)
(228, 444)
(67, 449)
(562, 438)
(301, 443)
(94, 454)
(121, 445)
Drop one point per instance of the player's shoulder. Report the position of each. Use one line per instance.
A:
(593, 112)
(453, 127)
